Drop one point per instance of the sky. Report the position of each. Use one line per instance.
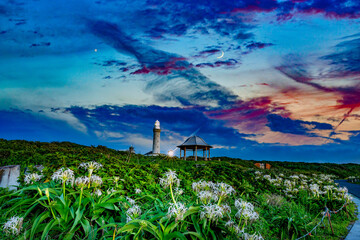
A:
(271, 80)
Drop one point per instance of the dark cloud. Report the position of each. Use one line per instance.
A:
(109, 63)
(287, 9)
(42, 44)
(18, 21)
(182, 82)
(140, 119)
(278, 123)
(227, 63)
(346, 59)
(183, 16)
(243, 36)
(257, 45)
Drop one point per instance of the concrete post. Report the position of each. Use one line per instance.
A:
(195, 153)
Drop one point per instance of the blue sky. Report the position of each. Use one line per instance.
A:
(101, 72)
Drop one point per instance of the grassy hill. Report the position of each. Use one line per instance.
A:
(130, 197)
(27, 153)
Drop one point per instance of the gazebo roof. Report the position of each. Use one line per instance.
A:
(194, 141)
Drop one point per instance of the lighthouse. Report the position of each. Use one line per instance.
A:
(156, 139)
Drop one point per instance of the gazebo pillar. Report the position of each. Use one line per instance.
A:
(209, 153)
(195, 153)
(180, 153)
(205, 151)
(185, 153)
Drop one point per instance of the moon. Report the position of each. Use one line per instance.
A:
(222, 54)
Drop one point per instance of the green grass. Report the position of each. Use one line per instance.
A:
(280, 216)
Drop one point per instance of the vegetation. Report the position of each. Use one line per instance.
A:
(100, 193)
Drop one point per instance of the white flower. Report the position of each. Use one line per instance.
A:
(233, 227)
(178, 191)
(207, 196)
(82, 181)
(254, 236)
(223, 189)
(96, 181)
(348, 197)
(32, 178)
(13, 225)
(133, 213)
(137, 191)
(170, 178)
(110, 191)
(268, 177)
(212, 212)
(245, 210)
(178, 210)
(91, 166)
(97, 192)
(63, 175)
(294, 177)
(202, 186)
(343, 189)
(130, 200)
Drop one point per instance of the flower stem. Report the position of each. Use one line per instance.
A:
(89, 178)
(52, 212)
(81, 193)
(219, 201)
(240, 221)
(172, 196)
(243, 225)
(64, 188)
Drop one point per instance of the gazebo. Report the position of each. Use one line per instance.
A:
(195, 143)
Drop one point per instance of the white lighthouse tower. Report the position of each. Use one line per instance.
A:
(156, 139)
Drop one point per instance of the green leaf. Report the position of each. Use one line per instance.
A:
(48, 227)
(36, 223)
(175, 235)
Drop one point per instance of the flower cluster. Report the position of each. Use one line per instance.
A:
(214, 211)
(13, 226)
(91, 166)
(63, 175)
(223, 189)
(233, 227)
(133, 213)
(318, 185)
(207, 196)
(245, 210)
(81, 181)
(95, 181)
(177, 210)
(170, 178)
(202, 186)
(209, 191)
(32, 178)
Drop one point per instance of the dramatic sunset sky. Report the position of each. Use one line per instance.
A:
(100, 72)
